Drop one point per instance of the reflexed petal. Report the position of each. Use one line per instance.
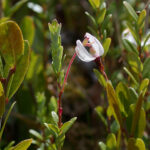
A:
(83, 53)
(95, 44)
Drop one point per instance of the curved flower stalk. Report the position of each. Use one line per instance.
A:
(91, 50)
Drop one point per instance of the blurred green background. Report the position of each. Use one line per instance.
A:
(83, 92)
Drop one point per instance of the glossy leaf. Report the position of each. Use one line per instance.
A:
(21, 69)
(66, 126)
(28, 29)
(106, 45)
(136, 144)
(130, 10)
(141, 18)
(23, 145)
(11, 42)
(114, 102)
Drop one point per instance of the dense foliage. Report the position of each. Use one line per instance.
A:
(59, 92)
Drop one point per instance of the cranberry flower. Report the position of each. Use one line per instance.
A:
(89, 49)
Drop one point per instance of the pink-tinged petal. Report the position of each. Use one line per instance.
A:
(82, 53)
(97, 46)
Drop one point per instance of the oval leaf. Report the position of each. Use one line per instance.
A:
(11, 42)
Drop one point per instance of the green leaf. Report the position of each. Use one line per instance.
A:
(36, 134)
(9, 146)
(56, 48)
(100, 77)
(114, 102)
(35, 66)
(136, 144)
(9, 111)
(53, 104)
(134, 63)
(55, 117)
(141, 18)
(123, 94)
(101, 16)
(146, 68)
(129, 46)
(11, 42)
(91, 18)
(145, 41)
(99, 111)
(23, 145)
(54, 130)
(102, 146)
(2, 101)
(66, 126)
(138, 119)
(143, 86)
(28, 29)
(111, 141)
(106, 45)
(131, 11)
(133, 95)
(17, 6)
(130, 75)
(141, 121)
(21, 69)
(95, 3)
(114, 127)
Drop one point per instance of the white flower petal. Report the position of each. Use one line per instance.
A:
(128, 36)
(95, 44)
(82, 53)
(35, 7)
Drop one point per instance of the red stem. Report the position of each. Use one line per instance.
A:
(60, 109)
(101, 67)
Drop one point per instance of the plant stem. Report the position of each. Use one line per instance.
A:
(60, 109)
(11, 72)
(98, 61)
